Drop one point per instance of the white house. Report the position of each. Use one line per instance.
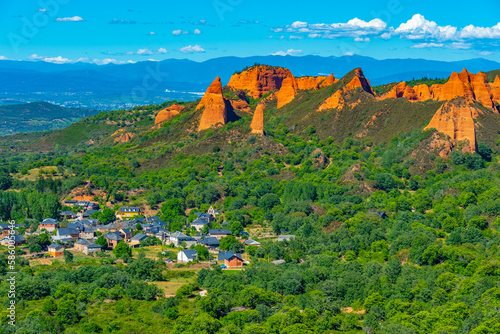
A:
(187, 255)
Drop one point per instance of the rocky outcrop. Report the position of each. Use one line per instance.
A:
(423, 92)
(471, 87)
(257, 125)
(240, 105)
(495, 90)
(400, 90)
(287, 91)
(259, 80)
(359, 81)
(124, 137)
(307, 82)
(215, 106)
(167, 113)
(457, 86)
(456, 120)
(335, 101)
(329, 80)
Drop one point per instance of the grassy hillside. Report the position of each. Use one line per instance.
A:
(38, 116)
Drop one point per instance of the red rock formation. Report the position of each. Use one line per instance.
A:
(457, 86)
(257, 125)
(495, 90)
(359, 80)
(335, 101)
(456, 120)
(308, 82)
(124, 137)
(287, 91)
(215, 104)
(240, 105)
(400, 90)
(330, 80)
(423, 92)
(464, 84)
(259, 80)
(214, 90)
(167, 113)
(482, 90)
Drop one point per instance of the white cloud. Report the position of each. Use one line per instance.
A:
(420, 28)
(70, 19)
(299, 24)
(152, 33)
(144, 52)
(179, 32)
(42, 9)
(276, 29)
(289, 52)
(471, 31)
(296, 37)
(162, 50)
(197, 31)
(360, 39)
(385, 36)
(4, 58)
(56, 60)
(352, 28)
(191, 49)
(427, 45)
(348, 53)
(460, 46)
(112, 61)
(486, 53)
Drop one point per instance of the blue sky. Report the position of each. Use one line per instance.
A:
(129, 31)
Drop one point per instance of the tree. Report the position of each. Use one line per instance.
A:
(122, 250)
(202, 252)
(107, 216)
(102, 242)
(172, 208)
(269, 201)
(385, 181)
(67, 310)
(68, 256)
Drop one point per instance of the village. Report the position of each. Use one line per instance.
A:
(88, 236)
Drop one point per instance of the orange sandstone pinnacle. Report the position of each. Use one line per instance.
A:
(215, 104)
(257, 125)
(456, 120)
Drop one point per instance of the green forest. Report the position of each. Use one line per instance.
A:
(390, 237)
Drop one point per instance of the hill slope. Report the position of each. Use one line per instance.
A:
(38, 116)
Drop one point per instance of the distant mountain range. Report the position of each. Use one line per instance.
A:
(116, 86)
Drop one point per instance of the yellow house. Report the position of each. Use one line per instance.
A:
(55, 250)
(129, 212)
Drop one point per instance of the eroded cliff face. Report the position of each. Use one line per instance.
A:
(259, 80)
(455, 119)
(359, 81)
(337, 101)
(330, 80)
(287, 91)
(257, 125)
(167, 113)
(471, 87)
(308, 82)
(215, 106)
